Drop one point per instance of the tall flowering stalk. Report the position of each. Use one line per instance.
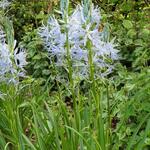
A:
(80, 30)
(12, 59)
(77, 45)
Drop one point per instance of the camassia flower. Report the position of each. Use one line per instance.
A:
(81, 29)
(4, 4)
(11, 64)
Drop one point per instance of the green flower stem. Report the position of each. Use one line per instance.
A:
(70, 71)
(97, 97)
(108, 119)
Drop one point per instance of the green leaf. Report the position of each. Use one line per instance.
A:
(127, 24)
(126, 6)
(40, 15)
(37, 57)
(131, 141)
(46, 72)
(145, 33)
(131, 33)
(128, 41)
(138, 42)
(28, 142)
(37, 66)
(115, 1)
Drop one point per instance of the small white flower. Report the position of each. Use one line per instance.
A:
(110, 50)
(78, 16)
(79, 54)
(95, 15)
(5, 61)
(4, 4)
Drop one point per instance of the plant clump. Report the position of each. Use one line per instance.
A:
(81, 30)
